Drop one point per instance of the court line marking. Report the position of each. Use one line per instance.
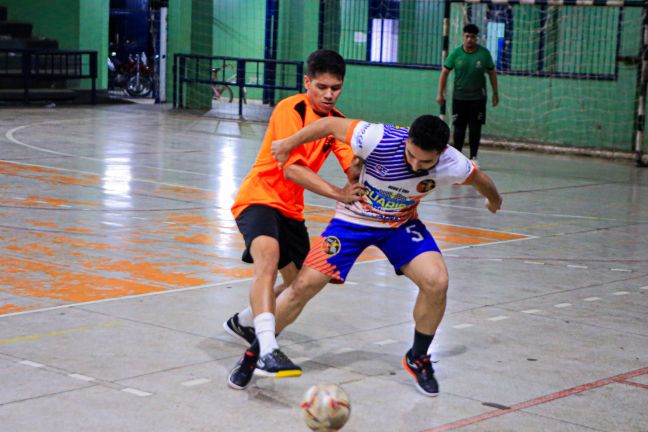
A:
(136, 392)
(196, 382)
(81, 377)
(58, 332)
(10, 136)
(539, 401)
(462, 326)
(32, 364)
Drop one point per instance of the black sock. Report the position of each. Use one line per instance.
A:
(421, 344)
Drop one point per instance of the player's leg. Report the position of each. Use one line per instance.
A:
(292, 300)
(241, 324)
(413, 252)
(293, 248)
(459, 122)
(255, 221)
(428, 271)
(294, 245)
(331, 257)
(477, 119)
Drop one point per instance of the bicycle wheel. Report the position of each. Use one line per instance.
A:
(222, 93)
(140, 88)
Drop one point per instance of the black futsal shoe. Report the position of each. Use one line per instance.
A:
(233, 327)
(241, 375)
(421, 369)
(277, 365)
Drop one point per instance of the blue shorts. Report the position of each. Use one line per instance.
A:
(342, 242)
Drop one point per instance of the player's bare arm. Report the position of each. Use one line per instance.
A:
(486, 187)
(324, 127)
(443, 79)
(492, 75)
(306, 178)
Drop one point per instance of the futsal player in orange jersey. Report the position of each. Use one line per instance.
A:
(269, 207)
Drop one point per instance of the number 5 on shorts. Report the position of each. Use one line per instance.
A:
(416, 236)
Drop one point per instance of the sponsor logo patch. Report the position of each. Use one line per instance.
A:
(425, 186)
(331, 245)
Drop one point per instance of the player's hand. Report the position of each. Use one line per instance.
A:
(494, 205)
(440, 99)
(495, 100)
(351, 192)
(355, 169)
(279, 151)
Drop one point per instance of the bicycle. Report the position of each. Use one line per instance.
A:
(223, 93)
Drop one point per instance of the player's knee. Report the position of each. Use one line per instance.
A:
(436, 286)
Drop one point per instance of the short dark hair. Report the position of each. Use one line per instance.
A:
(471, 28)
(325, 61)
(429, 133)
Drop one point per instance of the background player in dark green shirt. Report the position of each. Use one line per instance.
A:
(470, 62)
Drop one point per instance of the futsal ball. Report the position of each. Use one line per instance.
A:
(326, 407)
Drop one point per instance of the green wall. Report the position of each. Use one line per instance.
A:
(190, 31)
(75, 24)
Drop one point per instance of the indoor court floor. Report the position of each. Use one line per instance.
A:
(120, 261)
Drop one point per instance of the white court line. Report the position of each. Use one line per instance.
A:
(591, 299)
(115, 224)
(196, 382)
(644, 287)
(495, 259)
(531, 311)
(621, 270)
(10, 136)
(385, 342)
(620, 293)
(596, 218)
(534, 262)
(577, 266)
(562, 305)
(81, 377)
(498, 318)
(462, 326)
(300, 360)
(32, 364)
(136, 392)
(343, 350)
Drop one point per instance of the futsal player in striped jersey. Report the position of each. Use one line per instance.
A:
(401, 167)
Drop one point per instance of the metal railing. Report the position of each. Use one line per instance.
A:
(34, 64)
(269, 75)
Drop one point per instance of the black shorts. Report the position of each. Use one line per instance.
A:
(466, 111)
(258, 220)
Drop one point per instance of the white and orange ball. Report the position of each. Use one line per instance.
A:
(326, 407)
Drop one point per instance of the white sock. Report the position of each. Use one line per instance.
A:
(246, 317)
(264, 327)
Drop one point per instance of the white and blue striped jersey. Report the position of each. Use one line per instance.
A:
(392, 190)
